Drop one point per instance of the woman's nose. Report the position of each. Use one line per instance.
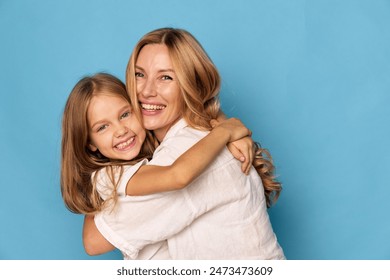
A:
(148, 89)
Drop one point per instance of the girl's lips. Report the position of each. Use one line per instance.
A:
(125, 145)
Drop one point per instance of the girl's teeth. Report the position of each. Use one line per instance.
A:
(125, 144)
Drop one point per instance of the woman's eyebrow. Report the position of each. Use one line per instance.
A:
(159, 71)
(166, 70)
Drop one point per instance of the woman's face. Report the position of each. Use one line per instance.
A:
(158, 89)
(113, 129)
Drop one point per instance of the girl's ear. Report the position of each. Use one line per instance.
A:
(92, 147)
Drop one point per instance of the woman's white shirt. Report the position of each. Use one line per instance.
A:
(220, 215)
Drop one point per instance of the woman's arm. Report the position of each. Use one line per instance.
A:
(152, 179)
(93, 241)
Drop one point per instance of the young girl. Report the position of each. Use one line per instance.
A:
(105, 149)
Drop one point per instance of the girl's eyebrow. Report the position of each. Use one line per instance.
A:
(98, 123)
(126, 107)
(101, 121)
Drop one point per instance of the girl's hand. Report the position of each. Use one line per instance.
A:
(233, 127)
(241, 144)
(243, 150)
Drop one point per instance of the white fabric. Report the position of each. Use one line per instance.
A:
(104, 187)
(221, 215)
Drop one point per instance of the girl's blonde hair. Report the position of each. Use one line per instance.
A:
(78, 162)
(200, 84)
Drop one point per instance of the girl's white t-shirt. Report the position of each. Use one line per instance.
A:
(104, 187)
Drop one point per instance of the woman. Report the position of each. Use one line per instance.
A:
(223, 213)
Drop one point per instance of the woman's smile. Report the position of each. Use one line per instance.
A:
(158, 89)
(152, 109)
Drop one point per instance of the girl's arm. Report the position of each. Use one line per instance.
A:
(152, 179)
(242, 149)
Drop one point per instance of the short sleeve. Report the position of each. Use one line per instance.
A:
(128, 172)
(104, 186)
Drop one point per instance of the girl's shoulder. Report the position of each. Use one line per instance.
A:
(115, 176)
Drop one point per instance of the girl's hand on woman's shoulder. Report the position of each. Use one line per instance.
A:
(243, 149)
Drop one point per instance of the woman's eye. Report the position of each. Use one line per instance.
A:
(166, 77)
(138, 75)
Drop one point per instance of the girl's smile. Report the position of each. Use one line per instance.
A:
(113, 129)
(125, 145)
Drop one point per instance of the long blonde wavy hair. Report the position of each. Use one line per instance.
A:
(78, 162)
(200, 84)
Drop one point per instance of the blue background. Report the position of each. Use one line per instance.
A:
(310, 78)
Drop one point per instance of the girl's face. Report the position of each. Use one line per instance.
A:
(158, 90)
(113, 129)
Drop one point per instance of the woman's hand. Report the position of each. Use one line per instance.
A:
(241, 144)
(93, 241)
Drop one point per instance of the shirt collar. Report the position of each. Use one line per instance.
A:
(176, 128)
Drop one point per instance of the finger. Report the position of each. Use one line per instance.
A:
(245, 167)
(213, 123)
(236, 153)
(251, 153)
(250, 160)
(248, 157)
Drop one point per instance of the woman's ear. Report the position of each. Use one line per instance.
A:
(92, 147)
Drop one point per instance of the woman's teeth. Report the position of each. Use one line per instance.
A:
(152, 107)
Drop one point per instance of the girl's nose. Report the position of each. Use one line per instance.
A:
(121, 131)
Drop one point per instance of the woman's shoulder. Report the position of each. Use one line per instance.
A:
(182, 140)
(182, 131)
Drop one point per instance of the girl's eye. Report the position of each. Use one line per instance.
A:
(101, 128)
(125, 115)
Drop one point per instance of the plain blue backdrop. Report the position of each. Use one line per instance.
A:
(310, 78)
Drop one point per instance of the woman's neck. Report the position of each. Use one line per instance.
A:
(162, 132)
